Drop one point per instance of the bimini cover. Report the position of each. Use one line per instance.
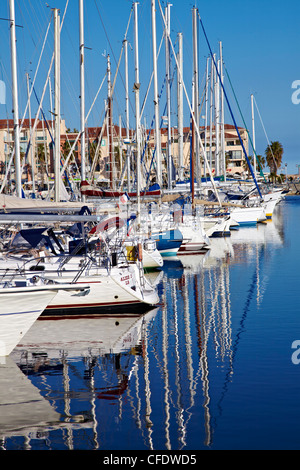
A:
(32, 238)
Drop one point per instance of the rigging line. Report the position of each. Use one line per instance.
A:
(151, 78)
(191, 111)
(85, 121)
(35, 14)
(141, 113)
(120, 57)
(38, 65)
(121, 53)
(230, 110)
(38, 112)
(149, 85)
(22, 122)
(112, 51)
(254, 151)
(29, 15)
(265, 131)
(125, 37)
(107, 37)
(97, 155)
(51, 63)
(151, 126)
(53, 142)
(152, 163)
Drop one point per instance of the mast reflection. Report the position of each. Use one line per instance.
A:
(156, 381)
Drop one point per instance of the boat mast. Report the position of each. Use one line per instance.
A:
(137, 116)
(222, 114)
(15, 110)
(82, 91)
(127, 112)
(109, 124)
(211, 113)
(57, 104)
(217, 118)
(206, 111)
(156, 97)
(253, 136)
(193, 118)
(192, 153)
(168, 89)
(196, 93)
(32, 150)
(180, 107)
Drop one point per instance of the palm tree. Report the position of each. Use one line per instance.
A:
(274, 154)
(42, 163)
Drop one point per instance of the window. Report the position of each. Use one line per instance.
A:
(235, 155)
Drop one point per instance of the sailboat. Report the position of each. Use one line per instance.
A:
(115, 283)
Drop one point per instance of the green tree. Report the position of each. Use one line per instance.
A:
(274, 153)
(260, 163)
(41, 162)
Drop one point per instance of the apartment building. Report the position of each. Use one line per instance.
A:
(234, 154)
(42, 132)
(101, 149)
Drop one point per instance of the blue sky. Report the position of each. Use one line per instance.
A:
(261, 53)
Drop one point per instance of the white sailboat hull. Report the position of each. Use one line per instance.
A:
(19, 309)
(248, 215)
(152, 259)
(108, 293)
(193, 241)
(114, 291)
(217, 227)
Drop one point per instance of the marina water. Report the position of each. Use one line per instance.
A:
(214, 366)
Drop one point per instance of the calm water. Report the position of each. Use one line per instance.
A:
(211, 368)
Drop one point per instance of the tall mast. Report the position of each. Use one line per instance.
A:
(206, 110)
(57, 104)
(82, 90)
(137, 116)
(168, 88)
(192, 152)
(253, 136)
(193, 118)
(32, 159)
(222, 115)
(180, 107)
(15, 110)
(109, 126)
(120, 144)
(217, 117)
(127, 112)
(211, 112)
(156, 97)
(196, 91)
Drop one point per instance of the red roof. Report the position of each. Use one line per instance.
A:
(9, 123)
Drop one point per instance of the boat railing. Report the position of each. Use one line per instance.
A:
(8, 277)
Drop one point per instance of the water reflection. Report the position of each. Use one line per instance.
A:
(24, 412)
(156, 381)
